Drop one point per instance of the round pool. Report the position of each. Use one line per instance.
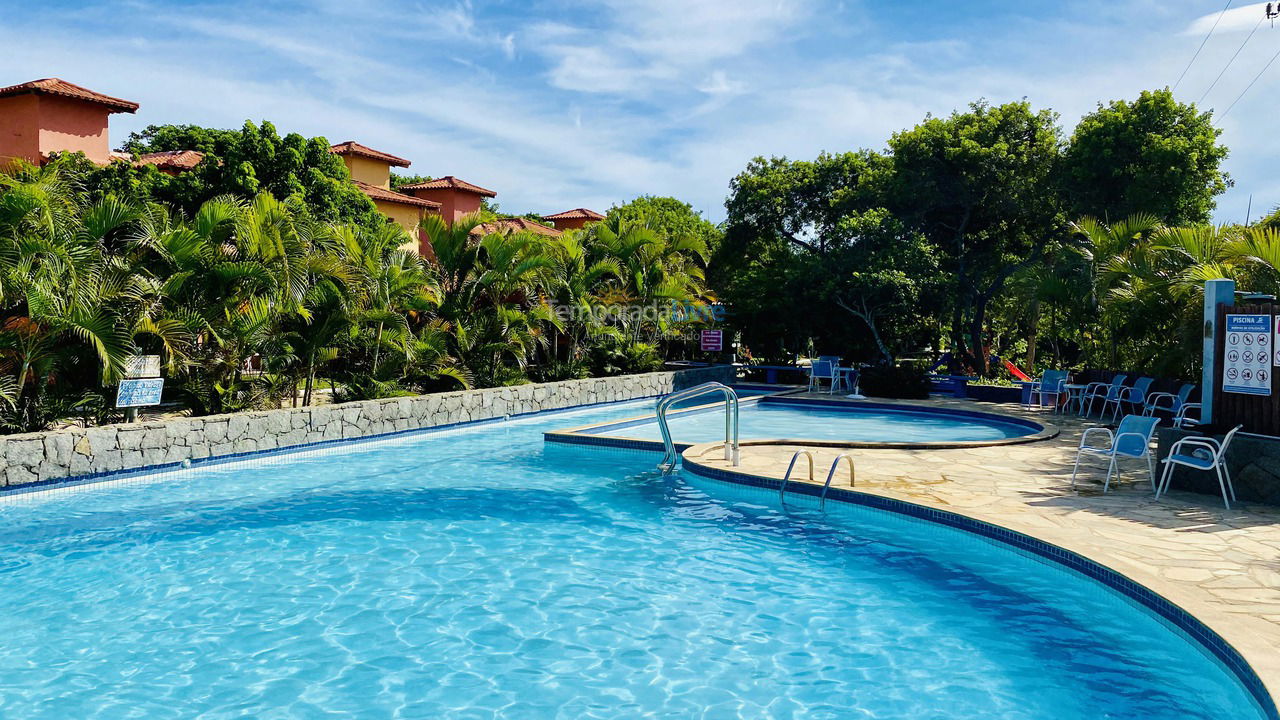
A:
(843, 423)
(479, 573)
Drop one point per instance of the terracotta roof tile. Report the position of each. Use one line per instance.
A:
(575, 214)
(171, 159)
(385, 195)
(352, 147)
(62, 88)
(450, 182)
(516, 224)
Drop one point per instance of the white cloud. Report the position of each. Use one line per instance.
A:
(1235, 20)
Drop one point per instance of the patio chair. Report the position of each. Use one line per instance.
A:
(1201, 453)
(1183, 420)
(822, 370)
(1096, 390)
(1052, 383)
(1135, 397)
(1168, 402)
(1131, 440)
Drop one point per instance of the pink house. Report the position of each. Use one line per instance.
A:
(573, 219)
(51, 115)
(457, 197)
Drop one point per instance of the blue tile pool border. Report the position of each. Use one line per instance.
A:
(1144, 596)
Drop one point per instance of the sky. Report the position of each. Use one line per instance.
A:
(560, 104)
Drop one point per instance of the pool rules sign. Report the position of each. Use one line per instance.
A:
(1247, 366)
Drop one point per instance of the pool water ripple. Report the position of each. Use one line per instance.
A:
(477, 574)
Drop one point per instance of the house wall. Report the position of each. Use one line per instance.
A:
(454, 204)
(20, 128)
(406, 216)
(101, 451)
(368, 170)
(570, 224)
(74, 126)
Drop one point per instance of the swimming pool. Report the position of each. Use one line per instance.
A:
(478, 573)
(790, 418)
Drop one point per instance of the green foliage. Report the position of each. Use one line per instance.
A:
(957, 237)
(668, 218)
(1153, 155)
(244, 164)
(399, 180)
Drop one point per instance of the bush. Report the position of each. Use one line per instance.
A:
(907, 382)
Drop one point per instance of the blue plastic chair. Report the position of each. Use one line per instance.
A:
(1201, 453)
(1168, 402)
(1135, 397)
(822, 370)
(1052, 383)
(1131, 440)
(1096, 390)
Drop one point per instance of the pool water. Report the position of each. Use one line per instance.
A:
(479, 573)
(811, 422)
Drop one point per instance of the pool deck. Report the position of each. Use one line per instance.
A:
(1222, 566)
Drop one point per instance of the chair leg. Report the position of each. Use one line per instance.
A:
(1223, 486)
(1226, 474)
(1075, 470)
(1165, 475)
(1151, 470)
(1111, 468)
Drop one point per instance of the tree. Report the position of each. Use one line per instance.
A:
(244, 164)
(667, 217)
(977, 185)
(1153, 155)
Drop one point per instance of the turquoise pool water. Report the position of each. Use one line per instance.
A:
(482, 574)
(770, 420)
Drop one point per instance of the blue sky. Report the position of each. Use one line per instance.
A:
(560, 104)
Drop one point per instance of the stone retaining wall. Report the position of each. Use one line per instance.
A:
(75, 452)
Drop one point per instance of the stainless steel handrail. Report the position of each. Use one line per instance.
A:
(670, 457)
(782, 489)
(832, 472)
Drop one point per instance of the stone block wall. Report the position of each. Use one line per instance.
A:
(75, 452)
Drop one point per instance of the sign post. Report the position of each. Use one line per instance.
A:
(1248, 361)
(141, 386)
(712, 340)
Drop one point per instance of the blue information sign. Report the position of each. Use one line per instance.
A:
(139, 393)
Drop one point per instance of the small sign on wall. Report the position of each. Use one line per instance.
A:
(139, 392)
(1248, 356)
(142, 366)
(712, 340)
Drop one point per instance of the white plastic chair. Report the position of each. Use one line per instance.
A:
(1182, 419)
(1131, 440)
(1103, 390)
(1201, 453)
(1135, 396)
(1052, 384)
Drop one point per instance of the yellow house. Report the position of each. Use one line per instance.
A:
(371, 172)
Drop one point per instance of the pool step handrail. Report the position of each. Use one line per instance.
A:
(782, 489)
(822, 503)
(731, 453)
(832, 473)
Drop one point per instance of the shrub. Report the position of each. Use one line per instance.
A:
(905, 382)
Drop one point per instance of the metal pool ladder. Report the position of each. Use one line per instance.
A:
(782, 489)
(670, 456)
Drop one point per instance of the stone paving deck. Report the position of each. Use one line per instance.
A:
(1223, 566)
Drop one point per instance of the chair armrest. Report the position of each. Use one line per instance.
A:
(1182, 418)
(1207, 442)
(1093, 387)
(1154, 400)
(1107, 431)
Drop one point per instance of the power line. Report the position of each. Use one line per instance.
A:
(1202, 42)
(1251, 82)
(1233, 59)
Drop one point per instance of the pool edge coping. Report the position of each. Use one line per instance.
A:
(1197, 629)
